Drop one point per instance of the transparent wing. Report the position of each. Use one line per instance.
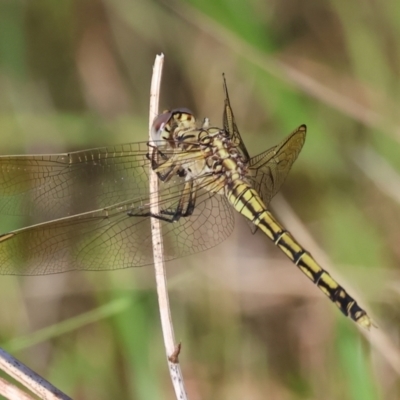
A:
(87, 197)
(230, 124)
(269, 169)
(109, 238)
(57, 185)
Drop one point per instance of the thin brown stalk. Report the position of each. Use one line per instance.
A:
(172, 350)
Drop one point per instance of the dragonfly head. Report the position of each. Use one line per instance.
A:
(165, 124)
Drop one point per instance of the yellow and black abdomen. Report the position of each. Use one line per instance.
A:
(247, 202)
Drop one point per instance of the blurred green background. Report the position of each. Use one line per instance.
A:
(76, 74)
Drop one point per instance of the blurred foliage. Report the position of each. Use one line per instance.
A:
(76, 74)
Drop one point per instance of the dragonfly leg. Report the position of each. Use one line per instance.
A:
(185, 207)
(170, 171)
(154, 157)
(186, 203)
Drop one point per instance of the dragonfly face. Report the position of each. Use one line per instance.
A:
(164, 124)
(95, 203)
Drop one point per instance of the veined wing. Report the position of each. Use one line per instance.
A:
(230, 124)
(113, 238)
(269, 169)
(57, 185)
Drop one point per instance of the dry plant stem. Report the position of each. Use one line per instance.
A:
(35, 383)
(159, 265)
(12, 392)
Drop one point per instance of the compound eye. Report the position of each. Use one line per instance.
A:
(181, 110)
(159, 125)
(183, 118)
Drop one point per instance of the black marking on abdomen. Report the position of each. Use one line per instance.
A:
(279, 236)
(284, 240)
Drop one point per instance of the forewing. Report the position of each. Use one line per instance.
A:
(269, 169)
(110, 238)
(57, 185)
(230, 124)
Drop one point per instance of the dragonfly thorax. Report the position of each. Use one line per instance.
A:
(222, 156)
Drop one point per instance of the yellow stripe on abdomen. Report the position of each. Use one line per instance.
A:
(247, 201)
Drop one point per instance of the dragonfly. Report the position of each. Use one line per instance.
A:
(93, 206)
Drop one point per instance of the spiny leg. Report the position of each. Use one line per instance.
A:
(186, 203)
(170, 169)
(184, 208)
